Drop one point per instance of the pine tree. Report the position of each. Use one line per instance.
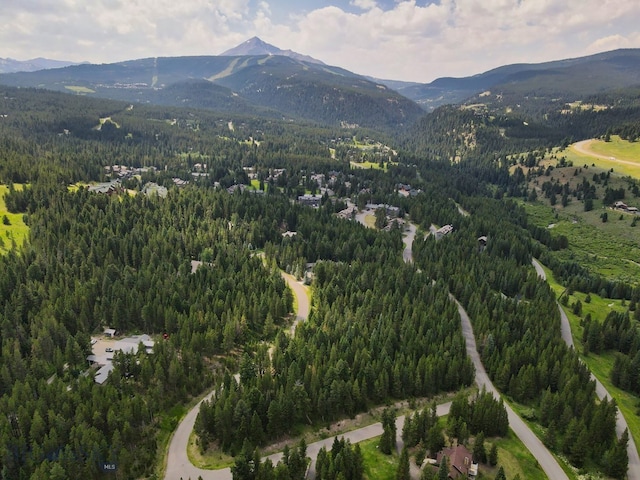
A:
(443, 469)
(479, 451)
(388, 438)
(501, 475)
(493, 455)
(616, 459)
(402, 473)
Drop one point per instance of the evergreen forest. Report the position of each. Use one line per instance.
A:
(199, 270)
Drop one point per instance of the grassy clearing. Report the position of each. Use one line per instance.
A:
(255, 184)
(79, 89)
(611, 249)
(515, 458)
(607, 154)
(16, 232)
(370, 165)
(212, 459)
(370, 221)
(600, 365)
(377, 465)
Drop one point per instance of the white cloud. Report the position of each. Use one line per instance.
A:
(402, 40)
(613, 42)
(364, 4)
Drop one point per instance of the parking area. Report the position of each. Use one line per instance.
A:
(100, 346)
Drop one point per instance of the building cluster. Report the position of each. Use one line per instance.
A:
(405, 190)
(391, 211)
(623, 206)
(122, 171)
(310, 200)
(129, 345)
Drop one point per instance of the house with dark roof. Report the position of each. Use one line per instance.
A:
(460, 462)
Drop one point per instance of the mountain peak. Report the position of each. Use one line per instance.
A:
(256, 46)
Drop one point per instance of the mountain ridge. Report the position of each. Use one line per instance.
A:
(622, 70)
(295, 88)
(10, 65)
(256, 46)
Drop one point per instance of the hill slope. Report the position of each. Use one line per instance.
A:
(272, 84)
(567, 79)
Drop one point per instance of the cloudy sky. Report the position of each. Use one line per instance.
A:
(416, 40)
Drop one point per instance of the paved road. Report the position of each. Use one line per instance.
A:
(178, 464)
(633, 472)
(359, 435)
(547, 462)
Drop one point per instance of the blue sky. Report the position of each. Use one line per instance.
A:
(413, 40)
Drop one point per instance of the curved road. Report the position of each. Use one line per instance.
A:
(633, 472)
(547, 462)
(583, 148)
(178, 464)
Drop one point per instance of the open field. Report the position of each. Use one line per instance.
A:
(369, 165)
(79, 89)
(620, 155)
(377, 465)
(515, 458)
(16, 232)
(611, 249)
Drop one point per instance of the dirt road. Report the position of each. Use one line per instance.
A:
(583, 148)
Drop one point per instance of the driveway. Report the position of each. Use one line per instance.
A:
(407, 239)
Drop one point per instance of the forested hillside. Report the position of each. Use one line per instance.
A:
(198, 269)
(268, 85)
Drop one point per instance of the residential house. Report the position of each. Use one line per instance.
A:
(310, 200)
(460, 462)
(443, 231)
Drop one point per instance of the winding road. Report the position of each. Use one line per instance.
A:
(178, 464)
(633, 471)
(547, 462)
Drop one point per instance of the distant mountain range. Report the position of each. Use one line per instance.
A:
(9, 65)
(261, 79)
(567, 80)
(252, 78)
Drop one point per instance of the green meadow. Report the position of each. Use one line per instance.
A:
(611, 249)
(620, 155)
(15, 233)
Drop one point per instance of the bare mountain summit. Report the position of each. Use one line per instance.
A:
(255, 46)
